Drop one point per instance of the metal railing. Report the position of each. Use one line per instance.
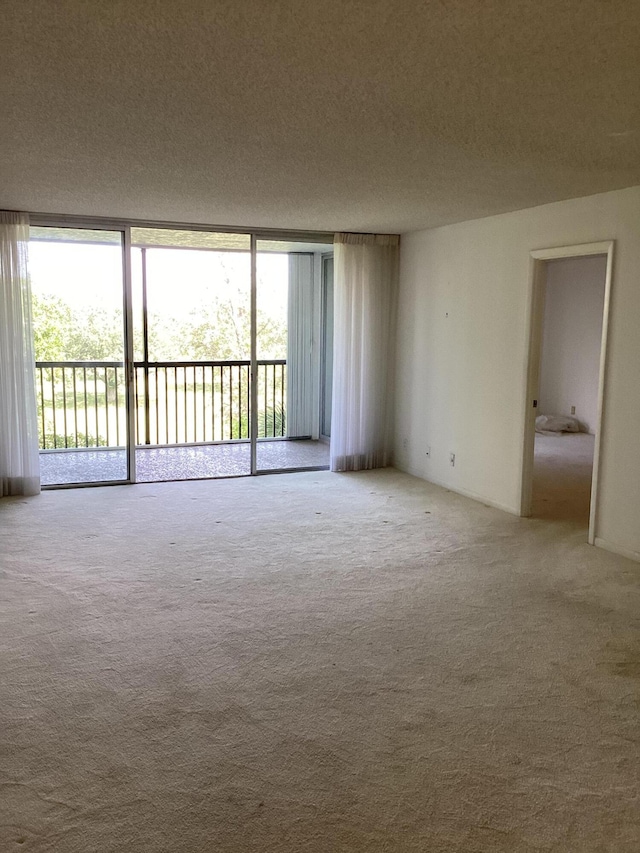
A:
(83, 404)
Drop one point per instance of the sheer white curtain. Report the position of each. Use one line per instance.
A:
(19, 462)
(365, 291)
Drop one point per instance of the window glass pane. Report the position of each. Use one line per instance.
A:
(77, 299)
(198, 304)
(289, 344)
(193, 392)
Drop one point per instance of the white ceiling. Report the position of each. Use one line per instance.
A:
(315, 114)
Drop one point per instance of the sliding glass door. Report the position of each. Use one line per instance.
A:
(192, 351)
(174, 354)
(77, 279)
(289, 355)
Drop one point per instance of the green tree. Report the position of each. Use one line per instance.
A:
(63, 334)
(96, 335)
(52, 324)
(218, 328)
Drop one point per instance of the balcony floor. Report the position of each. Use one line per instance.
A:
(60, 467)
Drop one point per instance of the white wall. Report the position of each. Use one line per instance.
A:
(572, 334)
(462, 351)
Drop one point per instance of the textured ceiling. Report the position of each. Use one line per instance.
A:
(315, 114)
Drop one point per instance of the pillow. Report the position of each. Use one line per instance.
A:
(549, 424)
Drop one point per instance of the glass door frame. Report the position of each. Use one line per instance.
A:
(258, 235)
(117, 226)
(124, 227)
(326, 258)
(129, 357)
(253, 372)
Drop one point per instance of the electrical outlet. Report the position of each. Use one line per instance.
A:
(428, 451)
(405, 443)
(452, 459)
(573, 410)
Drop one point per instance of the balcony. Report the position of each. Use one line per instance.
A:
(192, 420)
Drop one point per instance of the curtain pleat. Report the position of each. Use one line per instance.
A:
(365, 295)
(19, 460)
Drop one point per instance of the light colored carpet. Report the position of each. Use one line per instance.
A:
(563, 465)
(312, 662)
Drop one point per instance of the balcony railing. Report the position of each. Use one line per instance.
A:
(83, 404)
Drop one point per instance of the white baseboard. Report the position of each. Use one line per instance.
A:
(599, 542)
(464, 492)
(615, 549)
(475, 497)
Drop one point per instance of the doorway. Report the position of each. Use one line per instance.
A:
(570, 293)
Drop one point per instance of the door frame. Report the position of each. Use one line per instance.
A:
(124, 225)
(129, 355)
(535, 322)
(317, 269)
(88, 223)
(253, 373)
(326, 257)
